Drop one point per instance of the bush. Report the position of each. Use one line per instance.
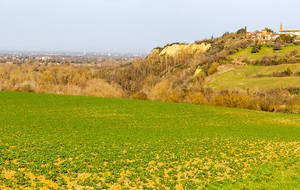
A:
(139, 96)
(288, 71)
(293, 105)
(173, 97)
(230, 100)
(267, 105)
(27, 88)
(294, 52)
(277, 46)
(213, 68)
(256, 48)
(198, 98)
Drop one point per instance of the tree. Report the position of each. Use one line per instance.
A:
(277, 45)
(225, 33)
(256, 48)
(285, 38)
(269, 30)
(241, 31)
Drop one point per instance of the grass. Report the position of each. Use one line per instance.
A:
(56, 141)
(288, 179)
(265, 51)
(240, 78)
(288, 49)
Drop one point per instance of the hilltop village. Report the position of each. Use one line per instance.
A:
(268, 35)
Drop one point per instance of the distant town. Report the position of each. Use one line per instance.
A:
(76, 59)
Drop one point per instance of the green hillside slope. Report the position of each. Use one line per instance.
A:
(265, 51)
(69, 142)
(244, 78)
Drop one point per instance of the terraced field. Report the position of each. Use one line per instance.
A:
(244, 78)
(55, 141)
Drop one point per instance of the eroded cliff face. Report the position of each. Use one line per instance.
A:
(155, 52)
(189, 48)
(176, 49)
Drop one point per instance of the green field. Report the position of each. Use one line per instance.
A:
(242, 78)
(55, 141)
(265, 51)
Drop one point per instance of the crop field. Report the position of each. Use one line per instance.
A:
(244, 78)
(74, 142)
(265, 51)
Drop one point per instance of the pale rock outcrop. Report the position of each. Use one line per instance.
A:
(175, 49)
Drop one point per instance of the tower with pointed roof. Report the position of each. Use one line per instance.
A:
(280, 27)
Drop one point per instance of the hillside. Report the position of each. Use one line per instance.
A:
(265, 51)
(183, 73)
(56, 141)
(254, 78)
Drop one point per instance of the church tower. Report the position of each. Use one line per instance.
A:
(280, 27)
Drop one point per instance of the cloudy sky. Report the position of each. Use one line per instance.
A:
(132, 26)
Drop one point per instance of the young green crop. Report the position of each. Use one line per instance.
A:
(56, 141)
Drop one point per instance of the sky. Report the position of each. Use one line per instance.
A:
(132, 26)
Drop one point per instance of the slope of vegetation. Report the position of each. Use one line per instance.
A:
(256, 78)
(265, 51)
(60, 141)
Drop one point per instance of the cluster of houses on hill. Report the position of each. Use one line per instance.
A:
(266, 35)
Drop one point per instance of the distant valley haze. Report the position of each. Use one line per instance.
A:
(132, 26)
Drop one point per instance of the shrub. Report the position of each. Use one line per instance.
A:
(254, 104)
(230, 100)
(213, 68)
(101, 88)
(288, 71)
(294, 52)
(293, 105)
(139, 96)
(277, 46)
(173, 97)
(267, 105)
(199, 99)
(256, 47)
(27, 88)
(254, 50)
